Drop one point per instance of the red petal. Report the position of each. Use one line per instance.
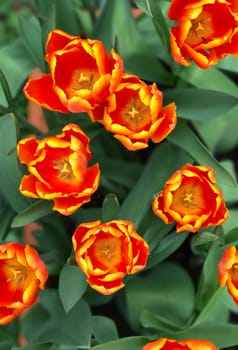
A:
(41, 91)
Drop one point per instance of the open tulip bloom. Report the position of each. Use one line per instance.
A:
(59, 171)
(106, 252)
(200, 34)
(22, 274)
(90, 74)
(191, 198)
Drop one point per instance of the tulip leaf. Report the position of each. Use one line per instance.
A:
(184, 138)
(154, 10)
(224, 137)
(228, 64)
(110, 208)
(6, 216)
(71, 276)
(31, 34)
(212, 79)
(6, 90)
(166, 247)
(223, 335)
(128, 40)
(200, 104)
(37, 346)
(104, 329)
(16, 65)
(37, 210)
(158, 290)
(57, 326)
(67, 18)
(208, 284)
(9, 171)
(127, 343)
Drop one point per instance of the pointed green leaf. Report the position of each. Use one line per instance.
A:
(16, 65)
(72, 285)
(211, 78)
(158, 290)
(57, 326)
(223, 335)
(166, 247)
(127, 343)
(158, 19)
(30, 31)
(6, 215)
(104, 329)
(184, 138)
(110, 208)
(9, 171)
(37, 210)
(200, 104)
(37, 346)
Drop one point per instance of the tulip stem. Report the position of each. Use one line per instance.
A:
(212, 302)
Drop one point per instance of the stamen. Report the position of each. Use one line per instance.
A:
(83, 81)
(65, 169)
(189, 200)
(16, 272)
(134, 113)
(107, 249)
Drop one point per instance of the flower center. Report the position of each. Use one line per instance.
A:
(202, 28)
(108, 251)
(81, 80)
(189, 198)
(135, 115)
(16, 273)
(65, 169)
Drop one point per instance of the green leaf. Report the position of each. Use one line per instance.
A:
(158, 19)
(184, 138)
(208, 283)
(127, 343)
(119, 171)
(6, 91)
(37, 346)
(231, 238)
(72, 285)
(66, 16)
(104, 329)
(223, 335)
(137, 55)
(110, 208)
(57, 326)
(223, 138)
(158, 291)
(30, 31)
(200, 104)
(157, 322)
(16, 65)
(212, 78)
(166, 247)
(6, 216)
(34, 212)
(9, 172)
(229, 64)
